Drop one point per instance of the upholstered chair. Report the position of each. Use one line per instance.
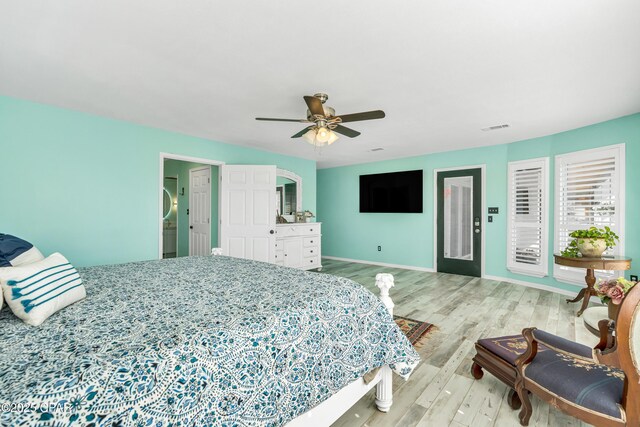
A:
(600, 386)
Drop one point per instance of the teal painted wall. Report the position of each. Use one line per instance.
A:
(407, 239)
(87, 186)
(180, 169)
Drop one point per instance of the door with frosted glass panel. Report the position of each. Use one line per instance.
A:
(459, 222)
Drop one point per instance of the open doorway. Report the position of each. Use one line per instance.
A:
(190, 206)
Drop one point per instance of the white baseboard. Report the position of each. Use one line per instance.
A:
(382, 264)
(486, 276)
(540, 286)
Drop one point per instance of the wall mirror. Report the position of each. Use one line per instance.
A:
(167, 204)
(288, 194)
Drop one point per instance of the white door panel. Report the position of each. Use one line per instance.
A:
(293, 253)
(249, 211)
(200, 211)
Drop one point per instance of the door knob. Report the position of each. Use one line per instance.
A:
(191, 227)
(271, 231)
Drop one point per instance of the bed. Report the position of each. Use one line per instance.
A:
(214, 341)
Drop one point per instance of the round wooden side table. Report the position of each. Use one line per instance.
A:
(591, 264)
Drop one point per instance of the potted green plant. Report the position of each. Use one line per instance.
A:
(590, 243)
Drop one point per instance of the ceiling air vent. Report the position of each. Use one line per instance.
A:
(377, 149)
(496, 127)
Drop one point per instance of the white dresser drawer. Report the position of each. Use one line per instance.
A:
(310, 229)
(311, 241)
(311, 252)
(287, 230)
(311, 261)
(297, 229)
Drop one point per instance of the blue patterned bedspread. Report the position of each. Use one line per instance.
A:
(212, 341)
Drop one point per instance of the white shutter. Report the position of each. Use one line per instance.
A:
(528, 213)
(589, 192)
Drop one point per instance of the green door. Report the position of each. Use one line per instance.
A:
(459, 221)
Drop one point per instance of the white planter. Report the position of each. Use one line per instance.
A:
(591, 248)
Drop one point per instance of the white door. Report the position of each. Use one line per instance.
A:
(248, 214)
(200, 211)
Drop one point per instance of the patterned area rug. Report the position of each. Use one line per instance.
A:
(415, 330)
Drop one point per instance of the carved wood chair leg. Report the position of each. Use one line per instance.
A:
(514, 400)
(476, 371)
(527, 409)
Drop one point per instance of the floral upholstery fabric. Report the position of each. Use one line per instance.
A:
(195, 341)
(583, 383)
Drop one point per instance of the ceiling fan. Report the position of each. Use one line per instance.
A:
(325, 122)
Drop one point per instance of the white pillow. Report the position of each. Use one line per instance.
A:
(28, 257)
(35, 291)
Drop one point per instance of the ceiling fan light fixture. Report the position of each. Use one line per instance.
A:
(310, 136)
(323, 121)
(323, 134)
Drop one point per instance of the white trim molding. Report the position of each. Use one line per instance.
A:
(381, 264)
(487, 277)
(539, 286)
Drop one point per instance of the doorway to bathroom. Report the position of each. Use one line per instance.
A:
(189, 208)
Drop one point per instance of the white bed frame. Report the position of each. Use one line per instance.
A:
(331, 409)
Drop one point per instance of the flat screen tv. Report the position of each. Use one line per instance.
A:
(395, 192)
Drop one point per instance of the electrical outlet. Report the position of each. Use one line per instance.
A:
(493, 210)
(379, 248)
(489, 218)
(634, 278)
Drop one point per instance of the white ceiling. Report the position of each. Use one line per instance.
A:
(440, 69)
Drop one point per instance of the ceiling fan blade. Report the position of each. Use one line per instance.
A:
(283, 120)
(346, 131)
(315, 105)
(302, 132)
(356, 117)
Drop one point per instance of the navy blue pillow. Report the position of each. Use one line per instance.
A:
(11, 247)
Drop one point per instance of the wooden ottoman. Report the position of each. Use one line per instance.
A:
(498, 357)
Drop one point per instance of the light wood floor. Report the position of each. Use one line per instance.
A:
(441, 391)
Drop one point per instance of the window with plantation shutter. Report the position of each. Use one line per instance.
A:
(589, 192)
(528, 214)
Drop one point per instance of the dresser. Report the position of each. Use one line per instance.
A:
(298, 245)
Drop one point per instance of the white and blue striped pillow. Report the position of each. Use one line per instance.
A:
(36, 291)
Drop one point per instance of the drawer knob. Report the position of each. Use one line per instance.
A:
(311, 251)
(312, 241)
(311, 261)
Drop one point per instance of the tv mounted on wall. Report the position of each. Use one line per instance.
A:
(395, 192)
